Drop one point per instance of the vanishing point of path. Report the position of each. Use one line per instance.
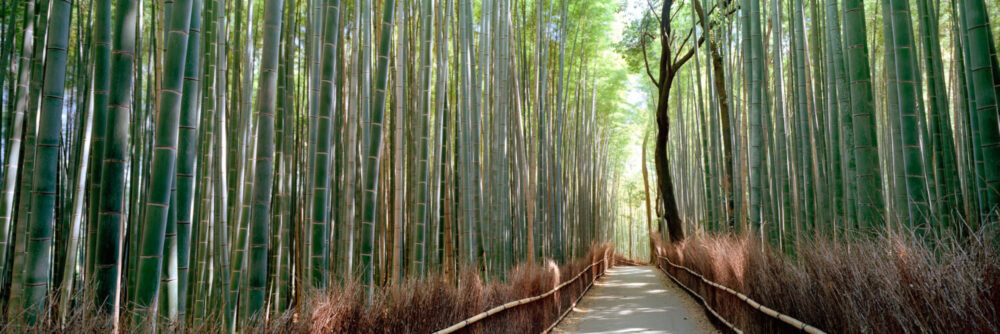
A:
(636, 300)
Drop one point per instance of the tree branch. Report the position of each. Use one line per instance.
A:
(645, 59)
(653, 10)
(690, 52)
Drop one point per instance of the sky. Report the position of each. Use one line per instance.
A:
(638, 113)
(636, 97)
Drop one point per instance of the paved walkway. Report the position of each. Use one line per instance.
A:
(636, 300)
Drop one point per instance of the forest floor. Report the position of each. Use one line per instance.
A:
(632, 299)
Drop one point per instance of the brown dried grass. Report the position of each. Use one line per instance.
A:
(81, 318)
(885, 284)
(413, 306)
(434, 303)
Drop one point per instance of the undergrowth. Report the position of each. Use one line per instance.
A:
(424, 306)
(885, 284)
(412, 306)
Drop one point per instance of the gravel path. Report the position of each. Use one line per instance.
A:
(636, 300)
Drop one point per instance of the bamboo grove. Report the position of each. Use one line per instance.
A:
(172, 162)
(834, 119)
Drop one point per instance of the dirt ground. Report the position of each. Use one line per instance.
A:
(636, 300)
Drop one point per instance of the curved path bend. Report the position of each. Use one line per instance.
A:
(636, 300)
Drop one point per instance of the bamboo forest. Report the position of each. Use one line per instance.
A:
(499, 166)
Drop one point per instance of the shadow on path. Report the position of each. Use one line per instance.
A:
(636, 300)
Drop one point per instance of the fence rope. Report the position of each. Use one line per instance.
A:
(519, 302)
(573, 305)
(752, 303)
(703, 302)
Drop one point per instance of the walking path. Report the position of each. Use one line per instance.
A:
(636, 300)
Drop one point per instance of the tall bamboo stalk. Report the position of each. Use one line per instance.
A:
(43, 198)
(13, 156)
(374, 153)
(869, 179)
(983, 79)
(264, 161)
(321, 182)
(909, 115)
(162, 166)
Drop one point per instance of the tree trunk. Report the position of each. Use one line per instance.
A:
(665, 181)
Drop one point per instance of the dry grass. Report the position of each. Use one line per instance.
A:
(435, 303)
(82, 317)
(414, 306)
(878, 285)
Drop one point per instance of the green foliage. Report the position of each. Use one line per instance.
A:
(640, 35)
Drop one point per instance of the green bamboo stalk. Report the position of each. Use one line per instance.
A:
(359, 73)
(187, 146)
(314, 48)
(440, 89)
(321, 178)
(220, 233)
(340, 155)
(239, 204)
(846, 140)
(196, 296)
(975, 182)
(755, 74)
(469, 241)
(76, 223)
(7, 36)
(374, 154)
(475, 214)
(102, 85)
(36, 280)
(803, 142)
(283, 103)
(13, 157)
(280, 236)
(167, 300)
(556, 171)
(984, 94)
(869, 180)
(115, 158)
(399, 98)
(834, 81)
(423, 215)
(23, 211)
(260, 215)
(704, 120)
(199, 292)
(162, 166)
(897, 177)
(909, 114)
(963, 110)
(939, 122)
(138, 152)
